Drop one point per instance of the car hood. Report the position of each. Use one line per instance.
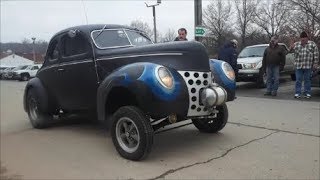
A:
(249, 60)
(19, 71)
(179, 55)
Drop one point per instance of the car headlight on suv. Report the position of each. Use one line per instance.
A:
(249, 65)
(164, 77)
(228, 70)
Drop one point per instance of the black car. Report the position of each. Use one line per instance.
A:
(116, 74)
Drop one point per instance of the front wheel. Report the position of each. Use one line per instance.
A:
(37, 118)
(213, 125)
(132, 133)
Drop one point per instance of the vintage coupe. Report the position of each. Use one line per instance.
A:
(117, 75)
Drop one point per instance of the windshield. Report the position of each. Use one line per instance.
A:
(20, 68)
(252, 51)
(113, 38)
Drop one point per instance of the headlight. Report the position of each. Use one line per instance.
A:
(259, 65)
(164, 77)
(249, 65)
(228, 71)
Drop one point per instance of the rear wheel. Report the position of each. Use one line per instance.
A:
(132, 133)
(37, 118)
(25, 77)
(213, 125)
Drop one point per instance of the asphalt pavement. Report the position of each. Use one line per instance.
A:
(265, 138)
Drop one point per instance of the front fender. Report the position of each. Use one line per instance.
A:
(140, 80)
(221, 78)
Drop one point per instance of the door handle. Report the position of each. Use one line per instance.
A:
(60, 70)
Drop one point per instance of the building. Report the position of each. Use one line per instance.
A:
(14, 60)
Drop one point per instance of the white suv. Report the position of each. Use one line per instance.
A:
(250, 64)
(27, 73)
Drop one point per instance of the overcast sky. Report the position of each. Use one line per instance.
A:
(41, 19)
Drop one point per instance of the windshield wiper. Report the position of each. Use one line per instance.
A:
(254, 56)
(100, 31)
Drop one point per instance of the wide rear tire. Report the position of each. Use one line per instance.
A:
(213, 125)
(38, 119)
(132, 133)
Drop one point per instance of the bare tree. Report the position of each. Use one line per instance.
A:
(143, 26)
(217, 17)
(246, 10)
(310, 7)
(304, 16)
(272, 17)
(169, 36)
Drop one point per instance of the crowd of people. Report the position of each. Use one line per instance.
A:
(306, 59)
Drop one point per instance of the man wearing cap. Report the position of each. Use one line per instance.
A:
(274, 58)
(306, 56)
(228, 53)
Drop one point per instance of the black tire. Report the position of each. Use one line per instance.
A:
(293, 77)
(213, 125)
(24, 77)
(139, 135)
(262, 79)
(38, 119)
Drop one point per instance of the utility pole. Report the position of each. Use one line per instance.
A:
(34, 53)
(197, 15)
(154, 18)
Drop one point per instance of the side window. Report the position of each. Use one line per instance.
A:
(53, 51)
(72, 46)
(35, 68)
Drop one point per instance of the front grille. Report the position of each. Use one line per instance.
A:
(195, 82)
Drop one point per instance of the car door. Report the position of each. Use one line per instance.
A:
(33, 71)
(77, 73)
(48, 73)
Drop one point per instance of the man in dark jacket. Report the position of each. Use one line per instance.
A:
(274, 58)
(228, 53)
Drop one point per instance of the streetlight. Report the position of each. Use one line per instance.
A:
(154, 18)
(34, 53)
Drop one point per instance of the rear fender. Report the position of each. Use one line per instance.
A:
(40, 91)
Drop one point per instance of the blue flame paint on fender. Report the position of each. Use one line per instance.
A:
(152, 97)
(149, 76)
(221, 78)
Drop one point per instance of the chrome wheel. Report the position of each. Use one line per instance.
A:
(33, 109)
(127, 135)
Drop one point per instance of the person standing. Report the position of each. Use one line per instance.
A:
(228, 53)
(274, 58)
(306, 57)
(182, 35)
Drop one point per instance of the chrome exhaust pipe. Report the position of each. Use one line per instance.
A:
(213, 95)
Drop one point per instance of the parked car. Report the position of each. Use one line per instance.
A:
(4, 70)
(117, 74)
(250, 64)
(27, 73)
(9, 74)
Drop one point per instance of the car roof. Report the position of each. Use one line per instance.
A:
(90, 27)
(261, 45)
